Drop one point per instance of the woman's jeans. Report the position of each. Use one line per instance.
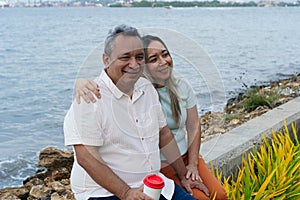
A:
(179, 194)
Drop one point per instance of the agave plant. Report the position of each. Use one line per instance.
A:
(270, 172)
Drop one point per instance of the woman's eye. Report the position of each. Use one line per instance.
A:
(165, 55)
(153, 60)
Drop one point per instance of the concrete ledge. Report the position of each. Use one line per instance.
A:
(226, 150)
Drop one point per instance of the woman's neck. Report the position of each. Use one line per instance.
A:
(158, 85)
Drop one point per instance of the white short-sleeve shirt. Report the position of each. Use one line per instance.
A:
(126, 130)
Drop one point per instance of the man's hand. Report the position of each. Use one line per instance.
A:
(136, 194)
(188, 184)
(85, 88)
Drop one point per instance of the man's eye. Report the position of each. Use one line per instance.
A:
(124, 58)
(140, 57)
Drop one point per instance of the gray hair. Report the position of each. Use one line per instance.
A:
(113, 33)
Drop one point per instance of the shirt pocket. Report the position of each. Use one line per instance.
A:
(148, 124)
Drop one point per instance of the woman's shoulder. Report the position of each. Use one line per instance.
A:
(182, 84)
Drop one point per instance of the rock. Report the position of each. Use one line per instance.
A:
(293, 85)
(14, 193)
(8, 196)
(55, 196)
(53, 158)
(33, 182)
(259, 111)
(282, 101)
(58, 187)
(202, 120)
(68, 194)
(41, 175)
(39, 191)
(68, 187)
(219, 130)
(54, 179)
(234, 122)
(65, 181)
(48, 180)
(61, 173)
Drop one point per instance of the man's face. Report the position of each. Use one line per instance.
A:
(125, 64)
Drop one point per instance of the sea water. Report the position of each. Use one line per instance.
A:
(42, 49)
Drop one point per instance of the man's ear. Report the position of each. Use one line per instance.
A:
(105, 60)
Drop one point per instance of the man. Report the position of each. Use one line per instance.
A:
(117, 140)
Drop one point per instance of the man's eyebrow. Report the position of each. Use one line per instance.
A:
(129, 53)
(124, 54)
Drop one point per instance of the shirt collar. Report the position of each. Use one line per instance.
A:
(137, 92)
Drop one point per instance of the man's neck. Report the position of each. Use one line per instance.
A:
(123, 87)
(126, 89)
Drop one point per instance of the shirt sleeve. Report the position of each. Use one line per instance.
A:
(160, 114)
(82, 125)
(161, 117)
(188, 93)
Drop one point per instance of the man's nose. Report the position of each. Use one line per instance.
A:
(133, 63)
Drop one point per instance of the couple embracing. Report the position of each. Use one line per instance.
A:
(145, 121)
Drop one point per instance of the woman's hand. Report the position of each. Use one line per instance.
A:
(85, 88)
(200, 185)
(192, 172)
(196, 181)
(188, 184)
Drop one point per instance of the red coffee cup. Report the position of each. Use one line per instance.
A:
(153, 185)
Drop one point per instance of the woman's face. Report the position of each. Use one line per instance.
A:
(159, 62)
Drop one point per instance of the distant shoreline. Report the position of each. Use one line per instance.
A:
(151, 4)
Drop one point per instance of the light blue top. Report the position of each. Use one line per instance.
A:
(187, 99)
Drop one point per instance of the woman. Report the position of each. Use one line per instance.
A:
(179, 105)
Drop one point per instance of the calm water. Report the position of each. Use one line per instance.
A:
(41, 50)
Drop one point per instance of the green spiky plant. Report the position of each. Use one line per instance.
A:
(255, 98)
(272, 172)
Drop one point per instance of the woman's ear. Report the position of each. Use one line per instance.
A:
(105, 60)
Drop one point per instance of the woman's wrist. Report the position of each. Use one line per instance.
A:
(193, 161)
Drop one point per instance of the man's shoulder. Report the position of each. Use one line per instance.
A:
(144, 83)
(143, 80)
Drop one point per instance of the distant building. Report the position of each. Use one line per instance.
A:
(267, 3)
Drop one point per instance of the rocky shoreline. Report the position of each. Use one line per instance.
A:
(52, 183)
(235, 113)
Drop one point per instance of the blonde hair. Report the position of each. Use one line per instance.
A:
(170, 83)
